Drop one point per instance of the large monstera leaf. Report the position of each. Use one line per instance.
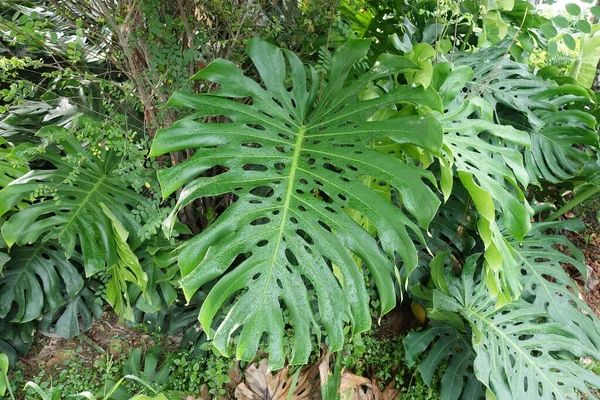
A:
(522, 351)
(487, 159)
(34, 280)
(78, 184)
(294, 154)
(548, 285)
(550, 112)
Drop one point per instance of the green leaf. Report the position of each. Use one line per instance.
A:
(569, 41)
(547, 285)
(595, 10)
(552, 48)
(492, 173)
(583, 26)
(584, 69)
(32, 282)
(125, 269)
(11, 164)
(162, 271)
(532, 104)
(573, 9)
(560, 22)
(458, 380)
(295, 156)
(74, 217)
(548, 30)
(522, 353)
(4, 384)
(76, 317)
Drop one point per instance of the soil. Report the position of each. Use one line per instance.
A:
(589, 243)
(107, 335)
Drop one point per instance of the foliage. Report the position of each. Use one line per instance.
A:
(286, 151)
(304, 191)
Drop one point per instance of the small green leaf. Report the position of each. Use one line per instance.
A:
(437, 266)
(560, 21)
(573, 9)
(552, 48)
(548, 30)
(569, 41)
(583, 26)
(3, 363)
(595, 10)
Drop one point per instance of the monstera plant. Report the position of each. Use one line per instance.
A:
(293, 154)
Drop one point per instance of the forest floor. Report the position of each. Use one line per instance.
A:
(588, 242)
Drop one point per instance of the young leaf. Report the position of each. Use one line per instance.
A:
(294, 153)
(126, 268)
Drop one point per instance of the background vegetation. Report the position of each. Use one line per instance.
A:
(374, 190)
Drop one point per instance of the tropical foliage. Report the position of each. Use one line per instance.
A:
(396, 154)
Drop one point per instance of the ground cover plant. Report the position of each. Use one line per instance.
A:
(282, 200)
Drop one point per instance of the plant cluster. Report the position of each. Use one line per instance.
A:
(397, 152)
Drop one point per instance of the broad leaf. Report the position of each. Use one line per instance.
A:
(522, 352)
(73, 216)
(76, 317)
(126, 268)
(33, 280)
(548, 285)
(484, 157)
(585, 67)
(11, 165)
(294, 153)
(530, 103)
(458, 381)
(160, 266)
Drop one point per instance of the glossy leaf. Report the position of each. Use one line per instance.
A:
(125, 269)
(32, 282)
(522, 352)
(458, 379)
(548, 285)
(295, 153)
(74, 217)
(532, 104)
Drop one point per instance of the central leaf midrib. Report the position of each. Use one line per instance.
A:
(82, 204)
(286, 202)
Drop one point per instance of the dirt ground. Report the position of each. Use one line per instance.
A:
(589, 243)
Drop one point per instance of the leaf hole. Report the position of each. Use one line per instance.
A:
(255, 167)
(291, 257)
(325, 226)
(252, 145)
(256, 126)
(262, 191)
(260, 221)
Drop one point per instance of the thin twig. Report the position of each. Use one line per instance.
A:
(490, 76)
